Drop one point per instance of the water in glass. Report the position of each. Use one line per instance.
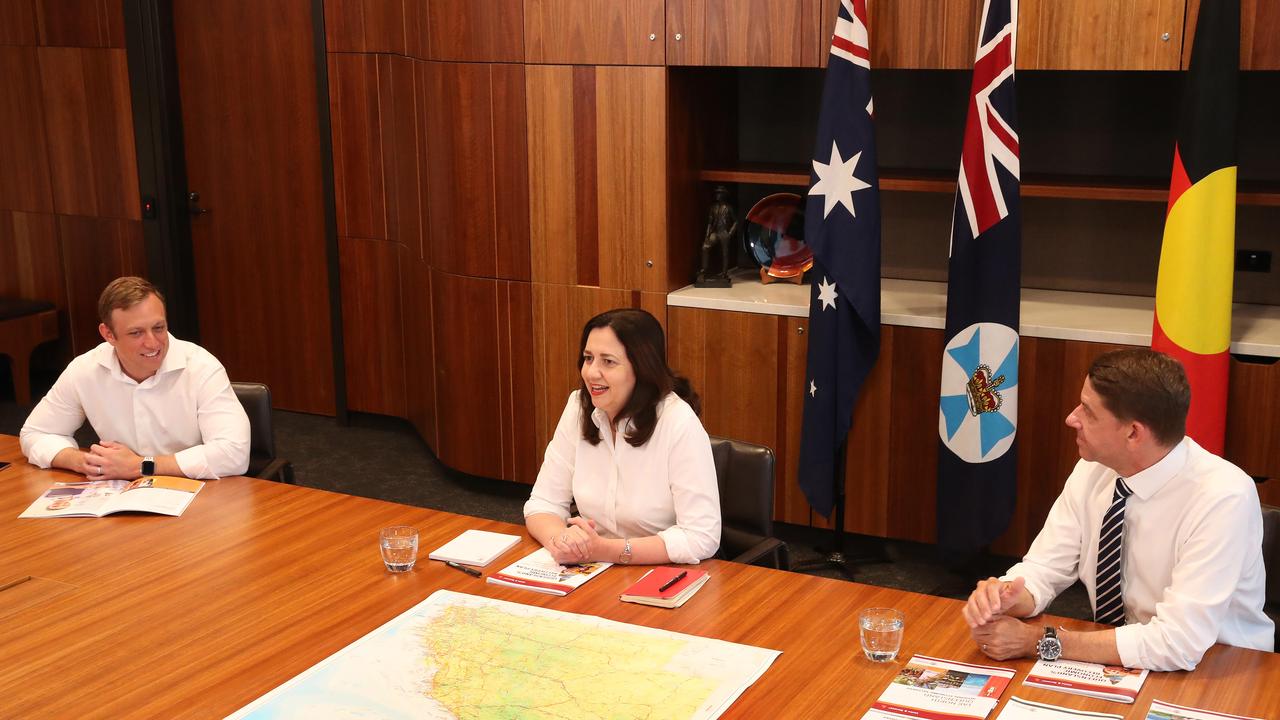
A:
(399, 548)
(881, 631)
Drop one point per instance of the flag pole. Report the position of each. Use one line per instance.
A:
(834, 557)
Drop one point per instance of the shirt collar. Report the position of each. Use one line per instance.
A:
(174, 359)
(1149, 482)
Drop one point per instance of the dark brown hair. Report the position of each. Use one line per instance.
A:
(641, 336)
(122, 294)
(1147, 386)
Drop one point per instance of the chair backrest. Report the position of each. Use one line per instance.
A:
(1271, 555)
(744, 472)
(256, 399)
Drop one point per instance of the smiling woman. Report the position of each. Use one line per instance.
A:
(630, 451)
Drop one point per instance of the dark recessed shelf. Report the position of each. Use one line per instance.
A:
(1072, 187)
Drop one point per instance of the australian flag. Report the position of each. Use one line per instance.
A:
(842, 226)
(978, 409)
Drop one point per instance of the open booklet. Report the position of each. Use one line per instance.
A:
(928, 687)
(160, 494)
(1161, 710)
(1106, 682)
(1019, 709)
(538, 571)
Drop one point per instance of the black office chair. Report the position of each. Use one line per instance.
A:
(744, 472)
(1271, 562)
(263, 463)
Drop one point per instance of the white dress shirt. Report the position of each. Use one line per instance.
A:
(1192, 572)
(666, 487)
(187, 409)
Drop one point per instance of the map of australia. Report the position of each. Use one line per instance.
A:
(461, 656)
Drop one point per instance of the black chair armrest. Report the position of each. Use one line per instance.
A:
(278, 469)
(763, 548)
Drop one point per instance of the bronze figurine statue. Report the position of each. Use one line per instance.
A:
(722, 227)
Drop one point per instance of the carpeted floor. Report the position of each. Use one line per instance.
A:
(383, 458)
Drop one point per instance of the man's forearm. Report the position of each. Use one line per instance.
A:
(69, 459)
(1097, 646)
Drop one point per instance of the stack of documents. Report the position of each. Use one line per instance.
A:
(475, 547)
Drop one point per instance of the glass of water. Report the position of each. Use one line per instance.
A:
(399, 545)
(881, 632)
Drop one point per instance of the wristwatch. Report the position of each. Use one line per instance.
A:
(148, 466)
(1049, 647)
(625, 557)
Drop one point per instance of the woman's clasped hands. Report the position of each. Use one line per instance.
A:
(577, 544)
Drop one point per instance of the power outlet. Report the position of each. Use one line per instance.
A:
(1253, 261)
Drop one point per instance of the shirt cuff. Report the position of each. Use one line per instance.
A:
(193, 464)
(534, 506)
(678, 550)
(1127, 646)
(44, 450)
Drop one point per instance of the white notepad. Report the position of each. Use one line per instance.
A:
(475, 547)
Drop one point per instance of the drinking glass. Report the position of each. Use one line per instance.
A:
(881, 632)
(399, 545)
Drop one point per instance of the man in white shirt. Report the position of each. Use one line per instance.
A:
(160, 405)
(1180, 531)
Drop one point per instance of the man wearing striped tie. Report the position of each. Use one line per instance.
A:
(1165, 536)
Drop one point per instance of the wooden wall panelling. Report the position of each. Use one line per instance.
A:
(733, 361)
(924, 33)
(466, 30)
(913, 434)
(1259, 34)
(559, 312)
(562, 212)
(355, 108)
(89, 131)
(419, 348)
(416, 33)
(80, 23)
(1253, 414)
(777, 33)
(372, 322)
(477, 188)
(365, 26)
(521, 453)
(96, 251)
(262, 280)
(867, 461)
(1095, 35)
(594, 32)
(469, 392)
(24, 172)
(687, 20)
(402, 159)
(31, 258)
(17, 23)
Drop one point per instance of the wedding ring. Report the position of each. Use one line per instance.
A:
(984, 647)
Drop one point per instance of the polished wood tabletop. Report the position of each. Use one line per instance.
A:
(151, 616)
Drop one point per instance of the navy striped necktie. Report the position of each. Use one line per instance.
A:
(1108, 599)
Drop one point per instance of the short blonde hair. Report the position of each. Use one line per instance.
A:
(122, 294)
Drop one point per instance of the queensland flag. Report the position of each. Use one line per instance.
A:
(1193, 292)
(842, 226)
(978, 409)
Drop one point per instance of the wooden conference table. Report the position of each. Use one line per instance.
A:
(150, 616)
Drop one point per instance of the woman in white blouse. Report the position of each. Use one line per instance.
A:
(630, 451)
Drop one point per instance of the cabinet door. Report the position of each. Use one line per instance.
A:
(1100, 34)
(477, 190)
(594, 32)
(371, 323)
(483, 338)
(1253, 414)
(597, 176)
(922, 34)
(471, 31)
(771, 33)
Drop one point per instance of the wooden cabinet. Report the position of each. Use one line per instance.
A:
(482, 332)
(1253, 414)
(476, 178)
(922, 34)
(1100, 35)
(597, 176)
(470, 31)
(1259, 34)
(774, 33)
(594, 32)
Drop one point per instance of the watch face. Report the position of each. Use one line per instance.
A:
(1049, 648)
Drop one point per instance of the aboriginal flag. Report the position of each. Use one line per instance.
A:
(842, 226)
(978, 407)
(1193, 291)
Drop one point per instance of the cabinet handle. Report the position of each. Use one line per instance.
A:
(799, 330)
(653, 36)
(1165, 37)
(679, 37)
(648, 263)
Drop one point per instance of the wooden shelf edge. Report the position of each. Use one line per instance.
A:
(1056, 187)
